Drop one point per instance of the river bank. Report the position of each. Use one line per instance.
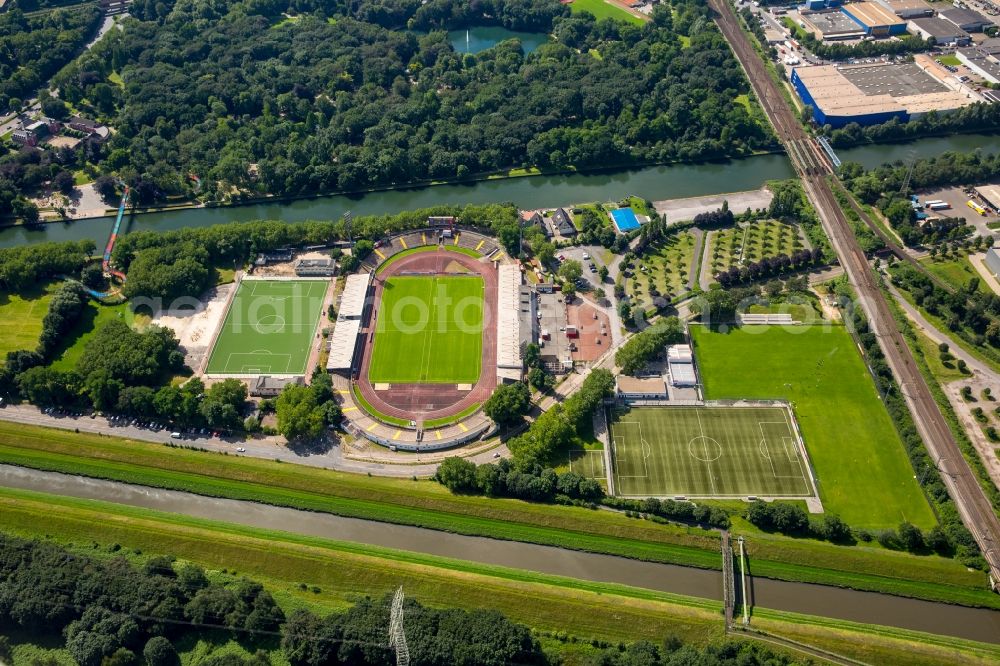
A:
(529, 191)
(869, 608)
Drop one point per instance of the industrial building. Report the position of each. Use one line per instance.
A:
(873, 94)
(874, 19)
(944, 32)
(908, 9)
(990, 194)
(966, 19)
(990, 46)
(831, 25)
(988, 67)
(992, 261)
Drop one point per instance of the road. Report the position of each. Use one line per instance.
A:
(331, 457)
(973, 506)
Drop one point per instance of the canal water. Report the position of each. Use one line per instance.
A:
(970, 623)
(655, 183)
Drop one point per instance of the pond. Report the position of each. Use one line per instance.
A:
(480, 38)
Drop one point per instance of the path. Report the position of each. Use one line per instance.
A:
(697, 257)
(983, 376)
(705, 277)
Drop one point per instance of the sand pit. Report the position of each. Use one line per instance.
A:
(195, 327)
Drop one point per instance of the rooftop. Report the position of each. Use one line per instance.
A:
(939, 29)
(832, 22)
(872, 14)
(509, 318)
(908, 7)
(963, 16)
(893, 80)
(352, 302)
(991, 193)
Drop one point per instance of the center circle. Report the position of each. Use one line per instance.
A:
(270, 324)
(705, 449)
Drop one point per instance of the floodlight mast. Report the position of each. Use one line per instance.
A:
(397, 637)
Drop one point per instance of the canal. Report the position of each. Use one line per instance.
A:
(655, 183)
(969, 623)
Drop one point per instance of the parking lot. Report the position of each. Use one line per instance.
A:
(958, 198)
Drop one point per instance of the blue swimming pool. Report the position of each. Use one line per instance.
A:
(625, 219)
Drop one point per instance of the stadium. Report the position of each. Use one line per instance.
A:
(426, 328)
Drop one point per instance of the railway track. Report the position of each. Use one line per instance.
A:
(814, 169)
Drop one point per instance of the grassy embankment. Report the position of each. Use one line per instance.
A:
(336, 573)
(426, 504)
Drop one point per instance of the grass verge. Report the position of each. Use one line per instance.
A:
(367, 406)
(343, 572)
(427, 504)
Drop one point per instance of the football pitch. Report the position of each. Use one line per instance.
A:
(269, 328)
(708, 452)
(429, 330)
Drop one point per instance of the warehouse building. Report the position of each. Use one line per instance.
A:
(873, 94)
(979, 63)
(908, 9)
(992, 261)
(944, 32)
(874, 19)
(990, 194)
(966, 19)
(831, 25)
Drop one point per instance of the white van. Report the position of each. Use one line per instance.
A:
(175, 435)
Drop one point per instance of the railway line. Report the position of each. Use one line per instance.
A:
(814, 170)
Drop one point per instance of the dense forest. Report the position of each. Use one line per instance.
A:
(33, 49)
(107, 611)
(254, 104)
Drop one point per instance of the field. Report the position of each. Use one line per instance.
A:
(429, 330)
(21, 319)
(861, 469)
(428, 504)
(708, 452)
(957, 272)
(70, 349)
(601, 9)
(269, 328)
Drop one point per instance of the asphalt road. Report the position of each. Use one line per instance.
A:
(329, 457)
(973, 506)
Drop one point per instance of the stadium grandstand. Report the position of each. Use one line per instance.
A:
(345, 341)
(509, 364)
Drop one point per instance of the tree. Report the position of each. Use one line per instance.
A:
(570, 271)
(508, 403)
(106, 188)
(222, 405)
(55, 108)
(910, 537)
(643, 347)
(299, 415)
(457, 475)
(602, 272)
(63, 182)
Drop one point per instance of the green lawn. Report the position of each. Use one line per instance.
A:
(427, 504)
(949, 59)
(861, 468)
(601, 9)
(21, 318)
(708, 452)
(956, 272)
(752, 242)
(94, 317)
(429, 330)
(269, 328)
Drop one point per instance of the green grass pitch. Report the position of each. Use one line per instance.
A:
(861, 469)
(429, 330)
(708, 452)
(269, 328)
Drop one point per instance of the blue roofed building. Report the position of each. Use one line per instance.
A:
(625, 220)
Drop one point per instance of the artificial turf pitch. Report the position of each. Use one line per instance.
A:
(708, 452)
(429, 330)
(269, 328)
